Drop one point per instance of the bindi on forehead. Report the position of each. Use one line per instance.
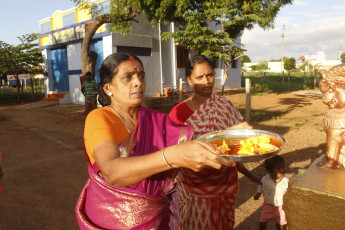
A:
(132, 60)
(136, 68)
(204, 74)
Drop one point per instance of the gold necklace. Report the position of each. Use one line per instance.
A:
(120, 119)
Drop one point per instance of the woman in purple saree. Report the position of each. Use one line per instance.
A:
(133, 154)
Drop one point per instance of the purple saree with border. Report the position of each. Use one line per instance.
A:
(144, 205)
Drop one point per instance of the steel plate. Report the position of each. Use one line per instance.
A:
(245, 133)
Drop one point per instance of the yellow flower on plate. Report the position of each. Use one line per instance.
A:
(224, 145)
(256, 145)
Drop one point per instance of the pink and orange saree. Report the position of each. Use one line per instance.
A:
(146, 205)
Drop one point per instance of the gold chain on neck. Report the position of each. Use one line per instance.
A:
(120, 118)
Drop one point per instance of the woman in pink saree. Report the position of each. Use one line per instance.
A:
(206, 198)
(133, 154)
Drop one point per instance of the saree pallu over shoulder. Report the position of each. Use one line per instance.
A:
(216, 113)
(206, 198)
(140, 206)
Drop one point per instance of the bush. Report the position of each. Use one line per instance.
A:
(10, 95)
(273, 83)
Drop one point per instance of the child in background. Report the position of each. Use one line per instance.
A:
(273, 188)
(89, 89)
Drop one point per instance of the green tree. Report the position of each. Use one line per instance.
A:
(245, 59)
(4, 49)
(306, 63)
(289, 63)
(261, 66)
(233, 16)
(342, 58)
(23, 58)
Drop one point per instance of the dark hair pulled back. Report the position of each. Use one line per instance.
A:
(196, 59)
(108, 70)
(272, 162)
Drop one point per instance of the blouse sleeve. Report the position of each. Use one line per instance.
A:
(180, 113)
(101, 126)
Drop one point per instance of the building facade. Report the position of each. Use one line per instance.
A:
(318, 61)
(164, 61)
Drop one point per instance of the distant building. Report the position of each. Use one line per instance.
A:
(300, 61)
(317, 60)
(326, 65)
(164, 61)
(275, 66)
(318, 56)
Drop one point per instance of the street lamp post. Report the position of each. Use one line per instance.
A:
(282, 61)
(340, 50)
(315, 73)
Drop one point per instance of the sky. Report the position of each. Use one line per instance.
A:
(19, 17)
(310, 26)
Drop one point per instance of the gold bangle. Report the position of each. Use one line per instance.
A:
(165, 160)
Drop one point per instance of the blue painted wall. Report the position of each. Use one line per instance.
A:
(60, 69)
(97, 47)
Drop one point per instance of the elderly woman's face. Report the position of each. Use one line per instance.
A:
(128, 85)
(202, 79)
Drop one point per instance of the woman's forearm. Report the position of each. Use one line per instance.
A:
(126, 171)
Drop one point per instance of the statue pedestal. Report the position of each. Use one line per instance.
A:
(316, 199)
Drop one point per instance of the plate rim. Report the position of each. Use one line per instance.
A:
(248, 158)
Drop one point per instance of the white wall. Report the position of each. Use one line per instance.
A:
(107, 46)
(234, 76)
(74, 56)
(74, 63)
(168, 48)
(48, 82)
(75, 94)
(318, 56)
(275, 67)
(46, 70)
(234, 79)
(218, 77)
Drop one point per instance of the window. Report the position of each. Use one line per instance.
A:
(182, 56)
(233, 62)
(69, 19)
(46, 27)
(137, 51)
